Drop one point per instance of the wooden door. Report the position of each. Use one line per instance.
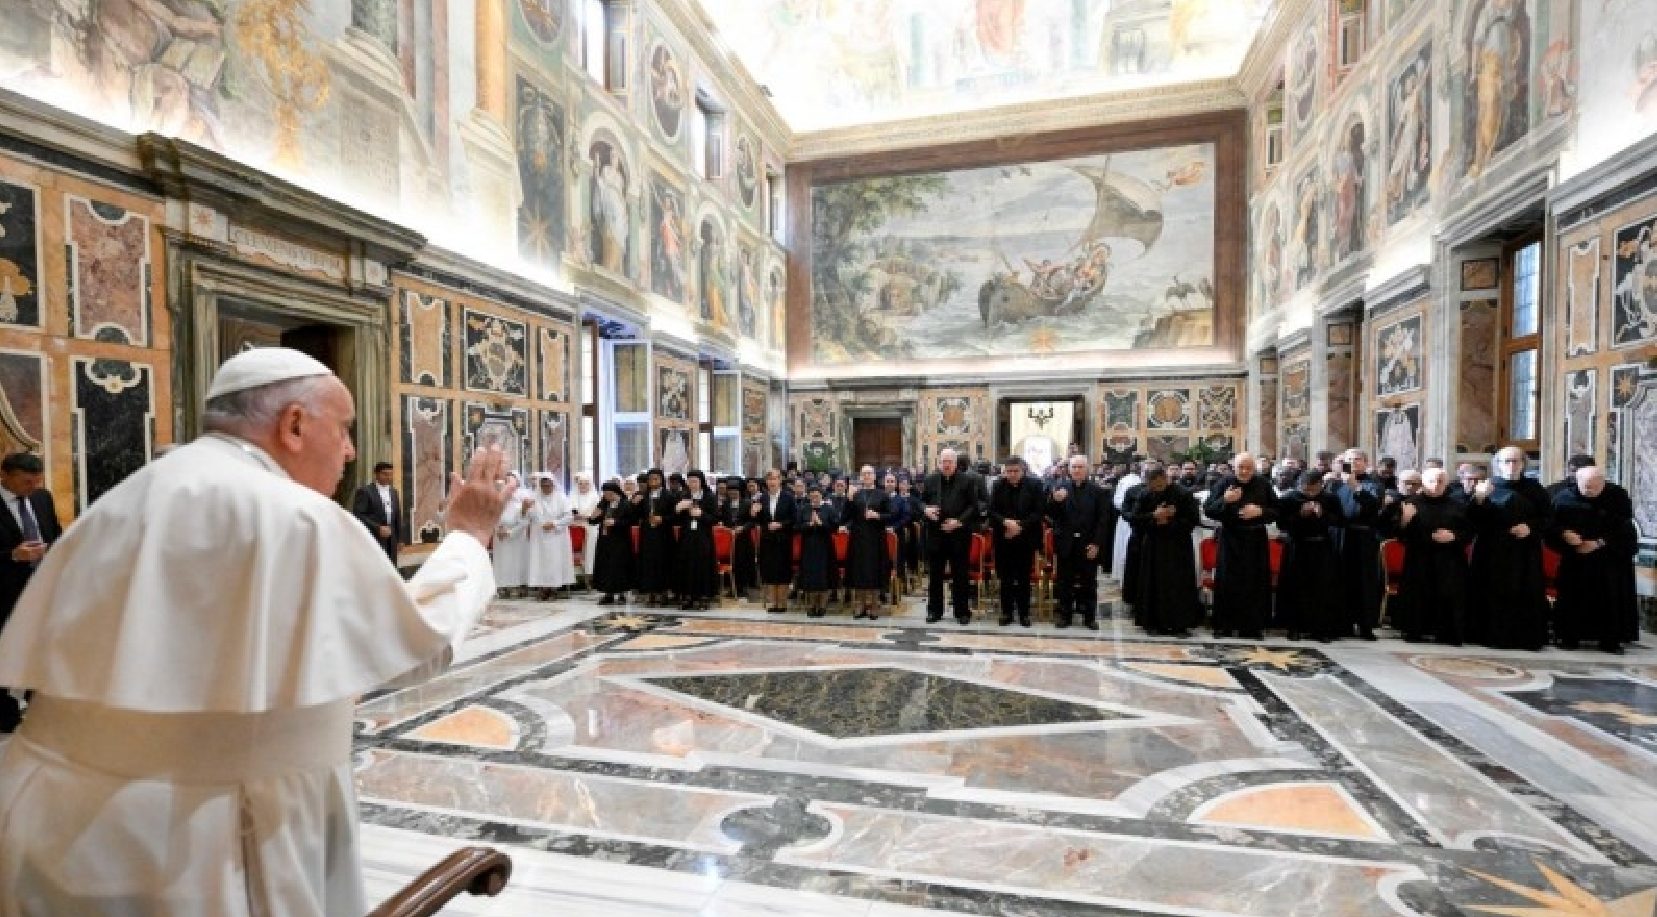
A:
(877, 441)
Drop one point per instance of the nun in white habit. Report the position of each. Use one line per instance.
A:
(585, 501)
(551, 561)
(196, 643)
(512, 536)
(1119, 550)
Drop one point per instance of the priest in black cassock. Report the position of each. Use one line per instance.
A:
(695, 514)
(1163, 517)
(1310, 598)
(1076, 508)
(1358, 552)
(1510, 514)
(1016, 504)
(1131, 568)
(954, 500)
(1432, 599)
(868, 566)
(1243, 503)
(1593, 531)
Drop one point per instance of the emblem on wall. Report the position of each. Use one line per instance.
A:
(954, 417)
(1398, 367)
(497, 354)
(1168, 408)
(673, 393)
(1634, 291)
(19, 255)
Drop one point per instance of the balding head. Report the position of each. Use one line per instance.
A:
(946, 461)
(1244, 466)
(1590, 481)
(1510, 464)
(1433, 481)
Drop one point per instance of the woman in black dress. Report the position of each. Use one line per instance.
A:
(733, 514)
(773, 513)
(697, 512)
(613, 555)
(654, 515)
(816, 522)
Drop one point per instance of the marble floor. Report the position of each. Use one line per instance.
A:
(636, 761)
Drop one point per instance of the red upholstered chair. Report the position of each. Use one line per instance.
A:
(842, 550)
(976, 553)
(723, 541)
(1392, 567)
(1208, 551)
(578, 545)
(1275, 548)
(896, 587)
(1550, 572)
(635, 532)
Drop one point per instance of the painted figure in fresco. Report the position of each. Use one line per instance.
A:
(774, 295)
(712, 265)
(1351, 192)
(747, 293)
(667, 91)
(1411, 154)
(667, 267)
(1498, 59)
(608, 205)
(1303, 246)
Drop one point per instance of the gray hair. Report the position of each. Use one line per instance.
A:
(251, 410)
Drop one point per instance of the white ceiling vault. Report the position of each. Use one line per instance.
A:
(832, 64)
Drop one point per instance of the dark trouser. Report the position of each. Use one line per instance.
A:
(952, 549)
(1012, 564)
(1077, 589)
(389, 546)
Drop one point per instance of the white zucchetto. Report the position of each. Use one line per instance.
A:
(263, 366)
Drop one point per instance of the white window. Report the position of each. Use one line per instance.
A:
(727, 429)
(707, 133)
(604, 43)
(1352, 36)
(776, 215)
(627, 435)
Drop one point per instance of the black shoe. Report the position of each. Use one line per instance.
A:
(1091, 624)
(815, 613)
(963, 621)
(1614, 649)
(1181, 634)
(775, 611)
(1569, 645)
(1024, 621)
(933, 618)
(1004, 621)
(1062, 623)
(1252, 635)
(606, 601)
(1367, 634)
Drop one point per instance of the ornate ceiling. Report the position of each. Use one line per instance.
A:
(836, 63)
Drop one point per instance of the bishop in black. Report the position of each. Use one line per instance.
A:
(1243, 503)
(1016, 504)
(1510, 514)
(1432, 598)
(1593, 531)
(1077, 510)
(1163, 517)
(1310, 598)
(954, 500)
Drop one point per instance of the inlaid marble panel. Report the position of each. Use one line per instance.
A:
(428, 460)
(1476, 406)
(114, 411)
(20, 254)
(1634, 286)
(1168, 408)
(1398, 357)
(425, 353)
(555, 365)
(1397, 434)
(1217, 407)
(23, 402)
(1339, 405)
(555, 444)
(109, 272)
(497, 354)
(1580, 412)
(488, 425)
(1582, 276)
(1296, 382)
(673, 394)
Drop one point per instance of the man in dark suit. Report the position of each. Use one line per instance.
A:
(379, 508)
(954, 499)
(1076, 508)
(27, 528)
(1016, 505)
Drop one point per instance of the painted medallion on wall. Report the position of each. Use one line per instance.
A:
(609, 232)
(19, 255)
(668, 238)
(497, 354)
(1304, 70)
(1409, 136)
(747, 172)
(667, 91)
(1105, 252)
(672, 393)
(1495, 79)
(954, 416)
(1168, 408)
(1634, 290)
(1398, 366)
(712, 275)
(540, 151)
(544, 17)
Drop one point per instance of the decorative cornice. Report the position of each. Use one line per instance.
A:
(1348, 297)
(1411, 283)
(195, 174)
(739, 88)
(467, 275)
(613, 310)
(1177, 100)
(1058, 379)
(44, 131)
(1626, 168)
(1266, 51)
(1505, 203)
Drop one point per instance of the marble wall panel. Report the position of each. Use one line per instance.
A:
(23, 402)
(1582, 277)
(109, 272)
(1476, 404)
(1398, 434)
(428, 459)
(1640, 477)
(673, 392)
(1480, 274)
(1168, 409)
(1217, 407)
(497, 354)
(554, 431)
(1120, 409)
(489, 425)
(1296, 381)
(114, 423)
(1399, 357)
(1580, 413)
(425, 355)
(1634, 285)
(555, 365)
(1339, 414)
(1268, 415)
(20, 254)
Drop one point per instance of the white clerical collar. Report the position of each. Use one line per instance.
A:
(258, 455)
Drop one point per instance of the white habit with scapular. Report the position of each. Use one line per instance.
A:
(512, 541)
(196, 643)
(1119, 548)
(551, 558)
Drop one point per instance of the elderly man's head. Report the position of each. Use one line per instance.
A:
(1509, 464)
(946, 461)
(1410, 481)
(303, 424)
(1244, 467)
(1433, 481)
(1590, 480)
(1078, 468)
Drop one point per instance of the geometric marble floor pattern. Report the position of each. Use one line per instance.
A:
(727, 762)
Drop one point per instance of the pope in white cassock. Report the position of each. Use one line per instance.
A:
(196, 642)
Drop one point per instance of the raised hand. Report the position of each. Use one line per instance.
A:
(476, 500)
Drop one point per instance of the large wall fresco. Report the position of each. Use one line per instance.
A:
(832, 64)
(485, 134)
(1104, 252)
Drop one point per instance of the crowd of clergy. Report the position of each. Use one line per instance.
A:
(1336, 550)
